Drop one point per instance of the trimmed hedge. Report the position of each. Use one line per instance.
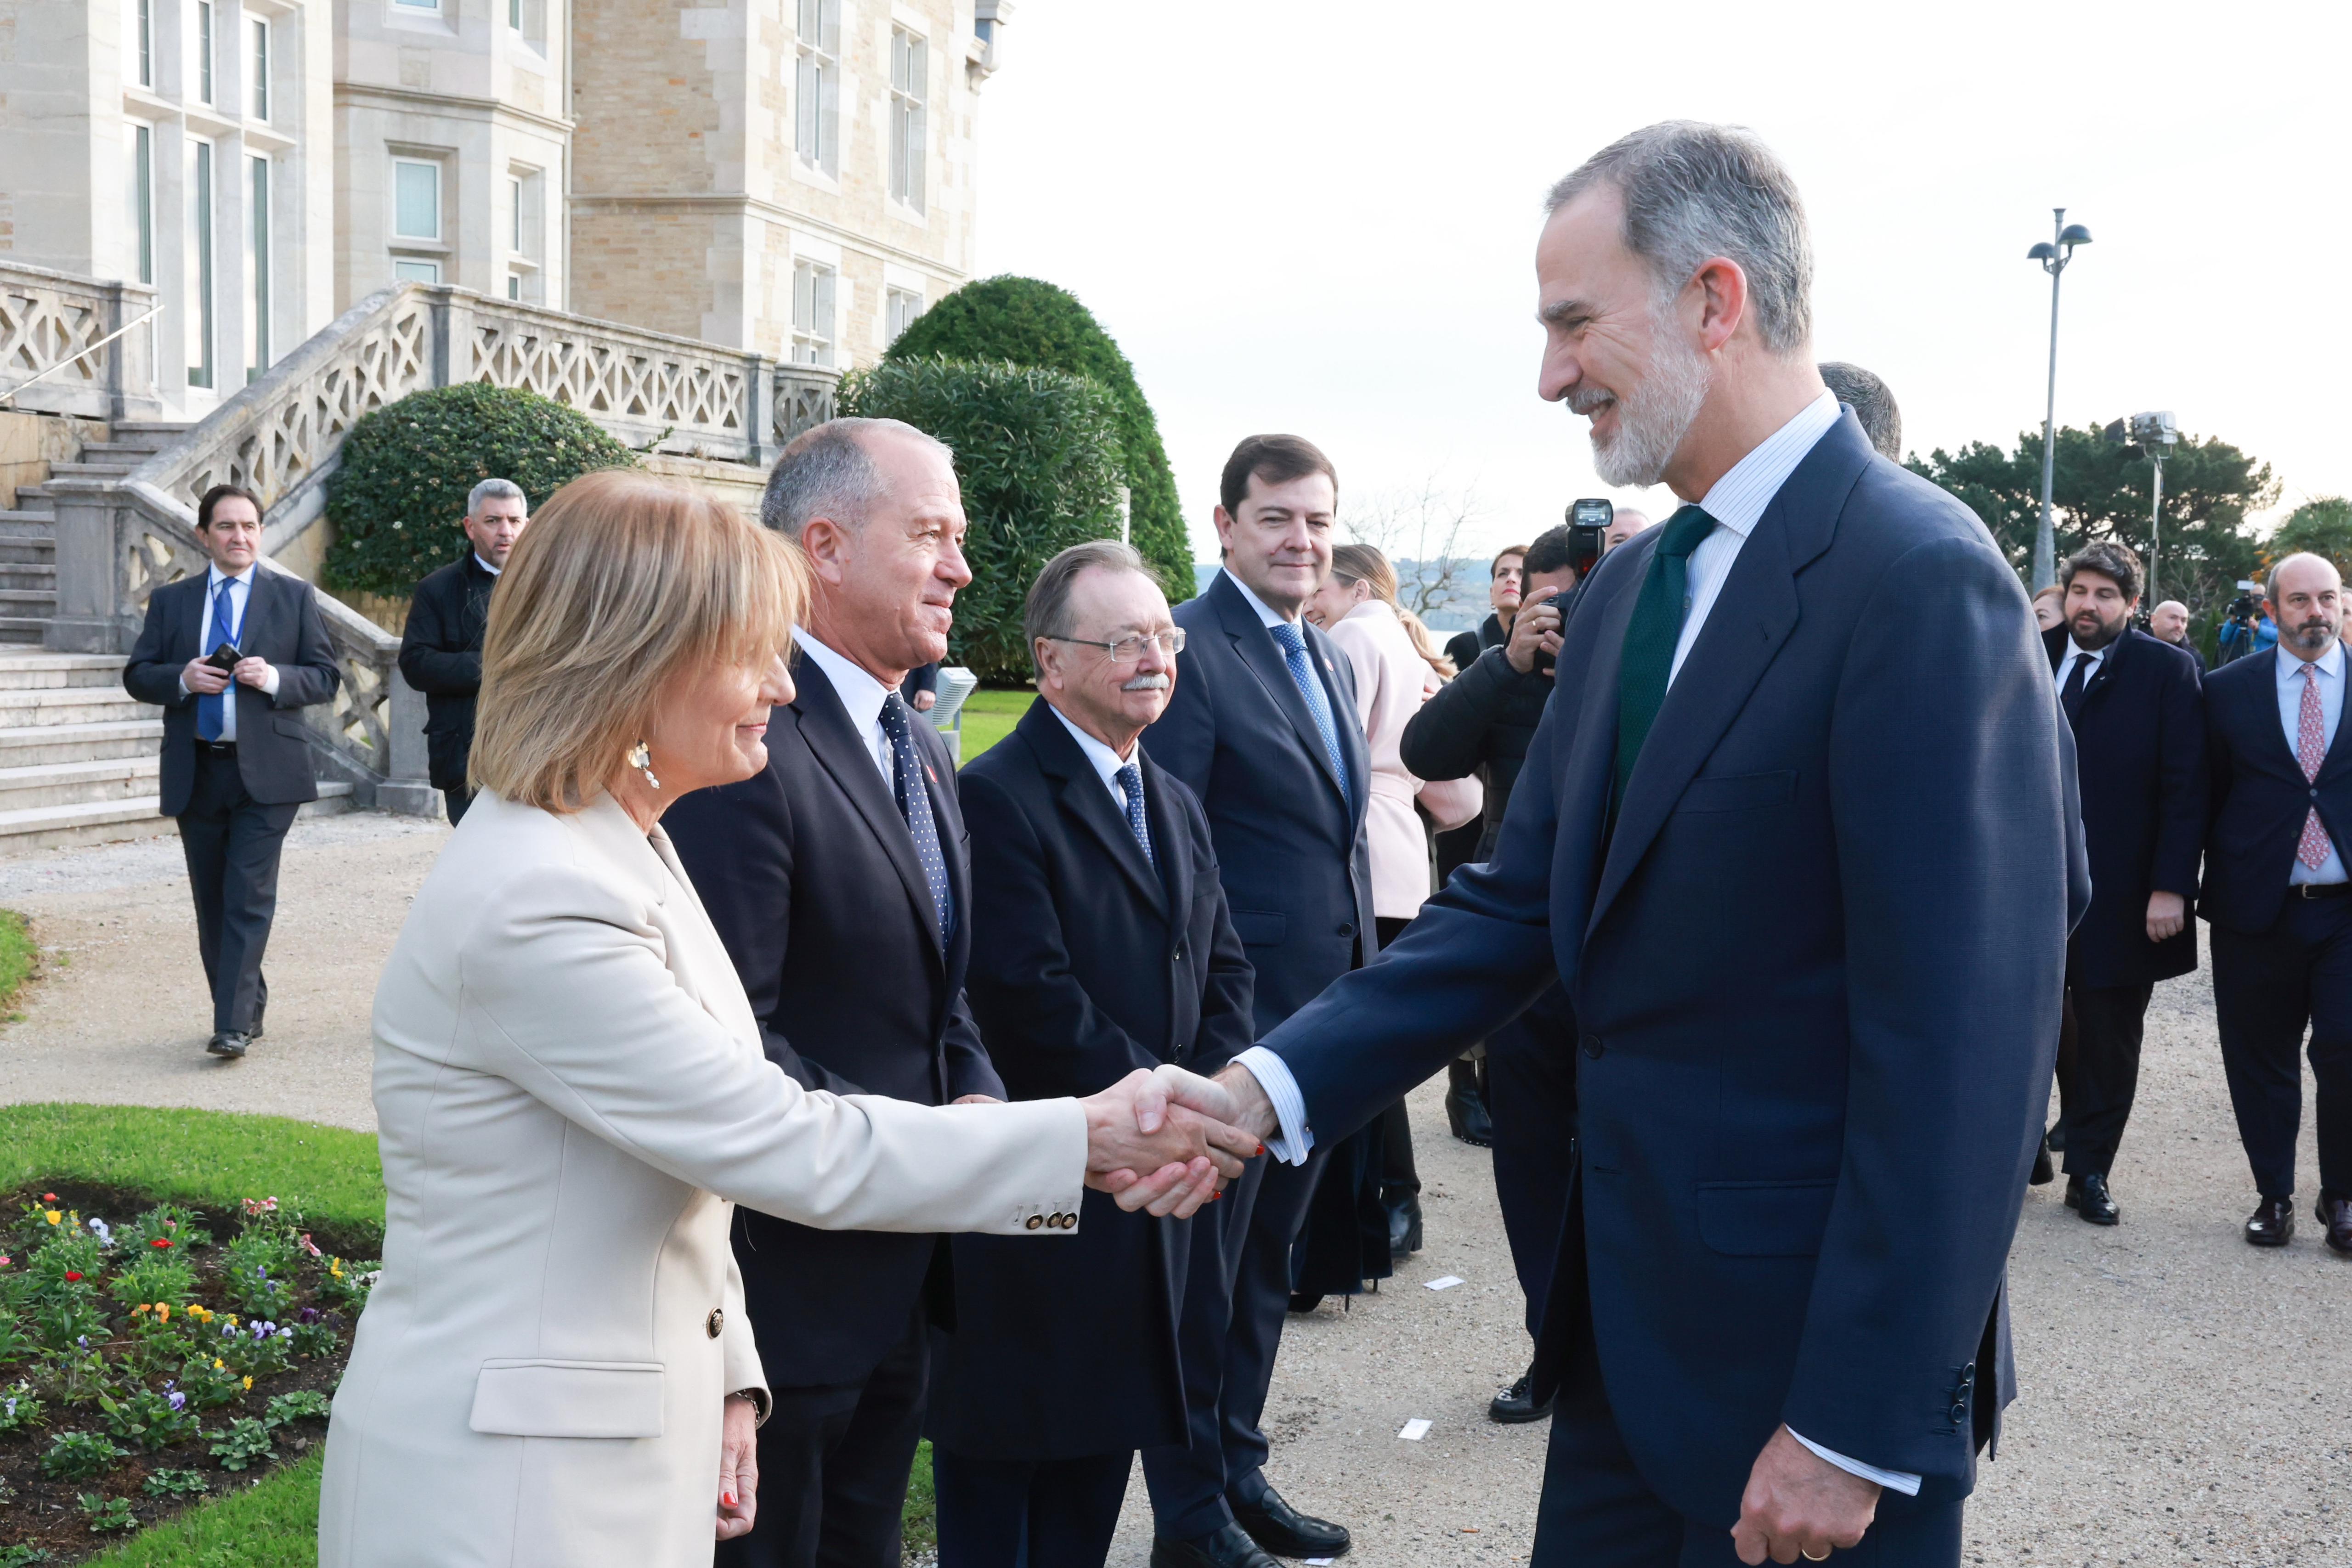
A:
(1037, 452)
(1031, 322)
(397, 499)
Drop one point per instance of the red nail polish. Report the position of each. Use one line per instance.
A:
(728, 1498)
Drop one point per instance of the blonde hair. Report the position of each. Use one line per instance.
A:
(1367, 565)
(622, 585)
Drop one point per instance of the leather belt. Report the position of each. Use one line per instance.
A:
(2321, 889)
(217, 747)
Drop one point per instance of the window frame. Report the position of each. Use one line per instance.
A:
(203, 204)
(402, 264)
(142, 198)
(144, 24)
(204, 41)
(404, 160)
(909, 146)
(259, 230)
(816, 86)
(896, 299)
(257, 89)
(817, 322)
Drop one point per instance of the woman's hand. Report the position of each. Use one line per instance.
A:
(738, 1467)
(1152, 1152)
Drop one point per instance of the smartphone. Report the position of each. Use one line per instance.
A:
(1544, 660)
(1588, 522)
(224, 658)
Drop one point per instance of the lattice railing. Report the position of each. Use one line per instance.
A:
(805, 396)
(642, 386)
(53, 335)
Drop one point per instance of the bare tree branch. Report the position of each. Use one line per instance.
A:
(1420, 529)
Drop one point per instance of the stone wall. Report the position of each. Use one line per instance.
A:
(29, 442)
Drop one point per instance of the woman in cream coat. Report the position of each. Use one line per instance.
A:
(555, 1367)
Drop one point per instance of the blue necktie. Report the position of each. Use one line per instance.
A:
(915, 805)
(1293, 653)
(1131, 783)
(211, 707)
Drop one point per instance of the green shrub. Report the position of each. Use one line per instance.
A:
(397, 501)
(147, 1419)
(246, 1442)
(174, 1483)
(302, 1404)
(107, 1515)
(77, 1455)
(1030, 322)
(1037, 453)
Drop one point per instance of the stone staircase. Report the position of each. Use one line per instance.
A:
(29, 538)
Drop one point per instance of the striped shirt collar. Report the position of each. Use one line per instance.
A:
(1737, 501)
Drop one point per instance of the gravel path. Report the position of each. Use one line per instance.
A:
(2186, 1397)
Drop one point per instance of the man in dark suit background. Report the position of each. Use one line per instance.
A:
(441, 645)
(836, 877)
(2277, 896)
(2138, 719)
(1798, 837)
(1100, 944)
(1261, 728)
(235, 764)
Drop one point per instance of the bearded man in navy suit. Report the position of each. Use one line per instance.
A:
(1798, 839)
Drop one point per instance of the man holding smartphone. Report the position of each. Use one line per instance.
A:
(229, 656)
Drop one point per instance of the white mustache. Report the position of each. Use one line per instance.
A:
(1146, 684)
(1589, 401)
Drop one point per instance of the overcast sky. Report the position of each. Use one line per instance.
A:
(1319, 216)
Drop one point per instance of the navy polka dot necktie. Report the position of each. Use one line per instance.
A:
(915, 805)
(1131, 784)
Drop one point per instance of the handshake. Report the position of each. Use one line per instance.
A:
(1168, 1140)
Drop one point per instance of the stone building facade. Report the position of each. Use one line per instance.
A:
(790, 177)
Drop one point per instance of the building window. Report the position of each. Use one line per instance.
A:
(514, 16)
(142, 198)
(408, 271)
(257, 263)
(899, 309)
(418, 5)
(260, 69)
(200, 246)
(816, 86)
(812, 313)
(514, 286)
(204, 51)
(909, 73)
(146, 43)
(415, 199)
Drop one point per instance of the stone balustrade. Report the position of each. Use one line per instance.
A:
(51, 326)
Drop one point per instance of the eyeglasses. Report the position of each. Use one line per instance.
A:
(1129, 650)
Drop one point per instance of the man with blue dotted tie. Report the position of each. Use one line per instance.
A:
(1262, 726)
(229, 656)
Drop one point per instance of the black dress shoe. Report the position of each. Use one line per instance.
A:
(2045, 1173)
(1404, 1224)
(2054, 1140)
(2088, 1195)
(228, 1043)
(1466, 1106)
(2336, 1213)
(1517, 1404)
(1287, 1533)
(1230, 1547)
(1300, 1303)
(2273, 1224)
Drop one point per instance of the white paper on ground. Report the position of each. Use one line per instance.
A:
(1448, 1284)
(1414, 1430)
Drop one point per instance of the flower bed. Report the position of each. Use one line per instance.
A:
(154, 1355)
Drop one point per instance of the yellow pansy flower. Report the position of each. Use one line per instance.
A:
(248, 1382)
(162, 1311)
(51, 1215)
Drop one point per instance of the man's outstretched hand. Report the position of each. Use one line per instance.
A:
(1798, 1504)
(1151, 1150)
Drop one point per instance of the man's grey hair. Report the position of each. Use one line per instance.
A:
(826, 472)
(1873, 402)
(1047, 612)
(1693, 191)
(491, 490)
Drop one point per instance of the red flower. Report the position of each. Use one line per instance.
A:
(72, 1275)
(160, 1241)
(48, 1197)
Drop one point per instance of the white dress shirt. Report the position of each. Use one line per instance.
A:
(1106, 761)
(1736, 502)
(2330, 666)
(240, 599)
(2077, 653)
(863, 697)
(485, 566)
(1266, 614)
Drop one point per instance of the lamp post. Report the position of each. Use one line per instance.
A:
(2053, 254)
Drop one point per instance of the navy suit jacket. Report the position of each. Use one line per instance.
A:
(2259, 796)
(1087, 962)
(282, 624)
(2139, 749)
(1817, 973)
(1298, 868)
(810, 878)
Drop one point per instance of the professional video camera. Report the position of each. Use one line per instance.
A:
(2239, 621)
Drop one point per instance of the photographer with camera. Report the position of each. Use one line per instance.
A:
(1481, 721)
(2245, 628)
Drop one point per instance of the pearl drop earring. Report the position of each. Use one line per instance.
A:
(642, 758)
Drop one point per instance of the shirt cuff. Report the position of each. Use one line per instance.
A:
(1903, 1481)
(1295, 1139)
(269, 686)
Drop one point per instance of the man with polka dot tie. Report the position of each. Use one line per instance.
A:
(2278, 899)
(836, 877)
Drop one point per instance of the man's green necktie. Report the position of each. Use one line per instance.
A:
(1648, 657)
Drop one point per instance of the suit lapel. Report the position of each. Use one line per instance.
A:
(845, 755)
(1753, 615)
(1083, 797)
(1254, 643)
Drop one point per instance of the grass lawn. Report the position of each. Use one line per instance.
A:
(18, 954)
(989, 717)
(274, 1523)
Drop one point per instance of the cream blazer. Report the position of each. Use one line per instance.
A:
(1392, 680)
(571, 1098)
